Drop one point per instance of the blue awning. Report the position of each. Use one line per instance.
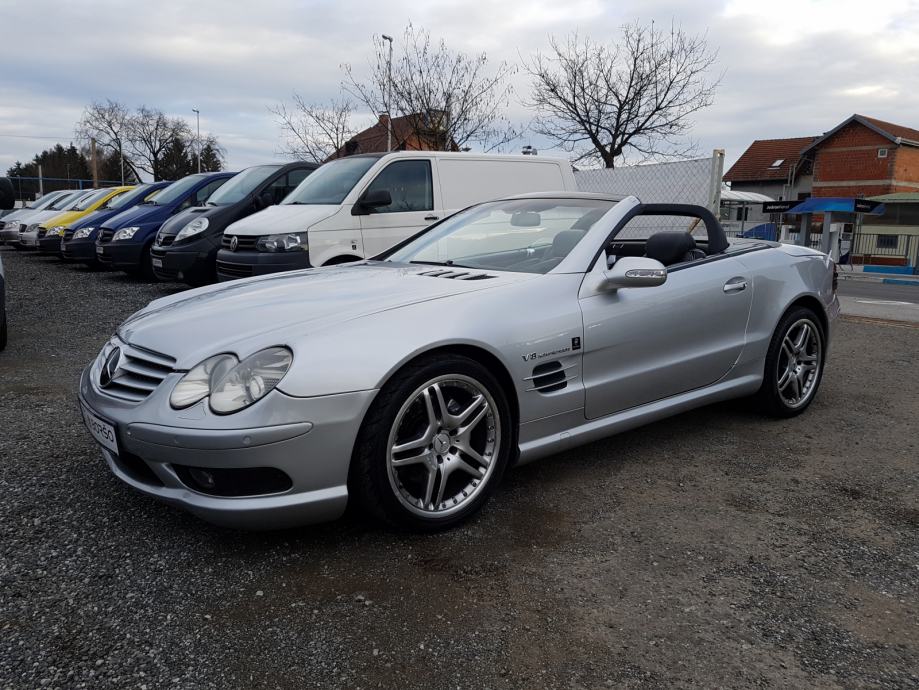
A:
(826, 204)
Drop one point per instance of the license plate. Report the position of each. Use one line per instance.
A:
(157, 263)
(99, 250)
(102, 431)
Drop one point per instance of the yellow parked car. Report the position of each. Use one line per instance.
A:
(52, 230)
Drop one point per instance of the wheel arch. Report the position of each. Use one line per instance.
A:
(341, 259)
(815, 305)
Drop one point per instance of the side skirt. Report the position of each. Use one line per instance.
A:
(596, 429)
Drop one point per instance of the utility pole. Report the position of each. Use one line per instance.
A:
(389, 94)
(198, 137)
(41, 182)
(94, 163)
(121, 156)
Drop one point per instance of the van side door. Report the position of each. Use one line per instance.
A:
(414, 198)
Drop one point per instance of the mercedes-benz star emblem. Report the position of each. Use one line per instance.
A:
(110, 367)
(234, 243)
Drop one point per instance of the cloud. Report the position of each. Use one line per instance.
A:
(792, 67)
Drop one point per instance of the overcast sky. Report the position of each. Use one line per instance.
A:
(792, 67)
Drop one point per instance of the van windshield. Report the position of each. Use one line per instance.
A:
(240, 185)
(176, 190)
(88, 201)
(331, 182)
(66, 201)
(128, 198)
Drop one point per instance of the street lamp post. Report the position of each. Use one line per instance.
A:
(389, 94)
(198, 138)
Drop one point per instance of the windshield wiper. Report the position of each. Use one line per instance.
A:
(448, 262)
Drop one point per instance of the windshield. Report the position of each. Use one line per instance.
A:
(45, 201)
(128, 198)
(177, 190)
(330, 183)
(522, 235)
(88, 201)
(241, 185)
(66, 201)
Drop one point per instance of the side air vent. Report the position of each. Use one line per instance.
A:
(456, 275)
(550, 377)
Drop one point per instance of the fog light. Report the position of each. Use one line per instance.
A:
(202, 477)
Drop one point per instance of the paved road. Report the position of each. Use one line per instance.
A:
(879, 300)
(714, 549)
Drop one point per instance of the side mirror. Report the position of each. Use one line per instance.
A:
(372, 200)
(634, 271)
(264, 200)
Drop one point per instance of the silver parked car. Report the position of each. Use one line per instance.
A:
(409, 383)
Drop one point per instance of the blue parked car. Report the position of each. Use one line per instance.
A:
(124, 241)
(79, 241)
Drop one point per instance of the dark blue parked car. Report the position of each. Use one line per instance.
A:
(124, 241)
(79, 241)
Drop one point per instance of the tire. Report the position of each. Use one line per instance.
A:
(454, 460)
(146, 264)
(3, 331)
(792, 376)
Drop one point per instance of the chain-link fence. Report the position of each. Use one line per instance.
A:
(696, 181)
(28, 189)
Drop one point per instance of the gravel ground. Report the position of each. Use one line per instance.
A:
(714, 549)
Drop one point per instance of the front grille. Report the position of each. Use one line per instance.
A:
(165, 240)
(234, 270)
(42, 232)
(243, 242)
(456, 275)
(138, 373)
(106, 235)
(68, 235)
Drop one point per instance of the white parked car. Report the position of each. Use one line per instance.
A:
(359, 206)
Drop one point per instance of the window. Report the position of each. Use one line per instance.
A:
(882, 153)
(285, 184)
(887, 241)
(241, 184)
(776, 163)
(295, 177)
(409, 185)
(330, 183)
(208, 189)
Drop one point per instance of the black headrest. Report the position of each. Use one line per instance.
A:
(669, 247)
(564, 242)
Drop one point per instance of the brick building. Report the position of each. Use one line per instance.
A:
(417, 132)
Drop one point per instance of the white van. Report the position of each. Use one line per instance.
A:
(359, 206)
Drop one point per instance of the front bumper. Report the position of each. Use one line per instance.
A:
(28, 240)
(189, 262)
(244, 264)
(9, 235)
(309, 439)
(124, 254)
(50, 244)
(80, 250)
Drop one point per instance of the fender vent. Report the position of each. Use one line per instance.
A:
(456, 275)
(550, 377)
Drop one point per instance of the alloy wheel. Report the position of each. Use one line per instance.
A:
(443, 446)
(799, 363)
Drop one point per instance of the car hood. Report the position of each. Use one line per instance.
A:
(215, 215)
(65, 218)
(283, 218)
(284, 308)
(41, 216)
(138, 215)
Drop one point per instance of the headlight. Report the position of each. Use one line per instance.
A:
(232, 385)
(31, 228)
(288, 242)
(196, 384)
(125, 234)
(57, 230)
(197, 226)
(250, 380)
(82, 233)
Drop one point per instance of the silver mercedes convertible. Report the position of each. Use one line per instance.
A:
(410, 382)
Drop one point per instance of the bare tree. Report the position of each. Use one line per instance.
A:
(315, 132)
(449, 99)
(151, 134)
(107, 122)
(602, 102)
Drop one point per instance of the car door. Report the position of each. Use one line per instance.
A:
(411, 186)
(649, 343)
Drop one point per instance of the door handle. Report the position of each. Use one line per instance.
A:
(431, 217)
(735, 285)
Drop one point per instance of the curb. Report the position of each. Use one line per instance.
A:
(878, 278)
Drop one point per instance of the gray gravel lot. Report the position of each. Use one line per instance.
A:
(714, 549)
